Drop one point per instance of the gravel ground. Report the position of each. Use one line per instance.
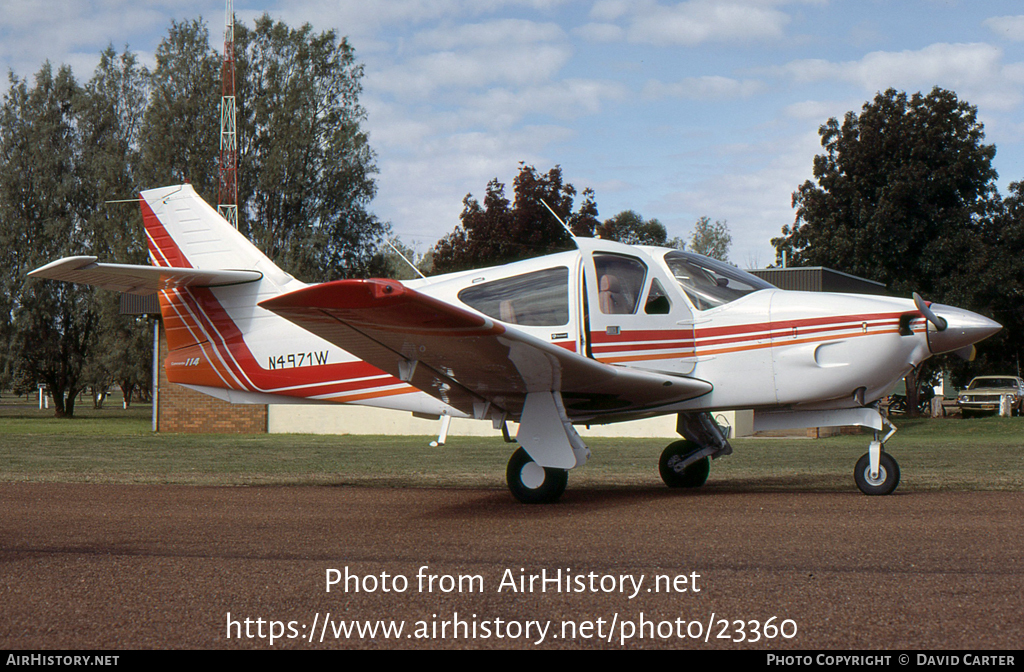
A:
(89, 566)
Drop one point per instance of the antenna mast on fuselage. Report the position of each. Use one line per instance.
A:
(560, 220)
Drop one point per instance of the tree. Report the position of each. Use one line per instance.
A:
(900, 197)
(305, 164)
(49, 326)
(305, 167)
(180, 134)
(500, 231)
(999, 277)
(904, 194)
(110, 114)
(711, 240)
(67, 150)
(630, 228)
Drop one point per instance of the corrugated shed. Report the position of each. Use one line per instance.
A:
(819, 279)
(132, 304)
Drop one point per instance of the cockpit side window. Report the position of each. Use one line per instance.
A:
(538, 299)
(657, 300)
(620, 280)
(709, 283)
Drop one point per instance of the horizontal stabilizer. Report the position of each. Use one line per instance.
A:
(465, 359)
(139, 280)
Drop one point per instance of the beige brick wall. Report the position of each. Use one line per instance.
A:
(186, 411)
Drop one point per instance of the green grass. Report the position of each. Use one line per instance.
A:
(116, 446)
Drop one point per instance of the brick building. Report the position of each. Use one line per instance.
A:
(179, 409)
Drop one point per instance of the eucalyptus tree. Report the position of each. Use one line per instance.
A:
(500, 230)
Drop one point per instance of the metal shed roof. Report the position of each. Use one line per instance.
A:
(819, 279)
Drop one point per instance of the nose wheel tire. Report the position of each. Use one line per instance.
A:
(531, 483)
(885, 482)
(692, 475)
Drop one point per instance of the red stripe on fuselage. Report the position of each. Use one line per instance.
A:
(314, 381)
(745, 336)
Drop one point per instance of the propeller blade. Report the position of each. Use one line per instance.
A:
(968, 353)
(940, 323)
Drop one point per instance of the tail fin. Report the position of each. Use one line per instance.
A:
(183, 231)
(204, 325)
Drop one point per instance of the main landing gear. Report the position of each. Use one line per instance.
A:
(678, 471)
(531, 483)
(687, 463)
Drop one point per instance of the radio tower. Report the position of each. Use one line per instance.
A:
(227, 196)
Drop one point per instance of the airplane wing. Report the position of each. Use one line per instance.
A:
(139, 280)
(465, 359)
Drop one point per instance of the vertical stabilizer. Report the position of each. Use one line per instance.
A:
(207, 324)
(184, 231)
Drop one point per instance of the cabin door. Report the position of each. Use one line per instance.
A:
(637, 317)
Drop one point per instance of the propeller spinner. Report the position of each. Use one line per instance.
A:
(955, 329)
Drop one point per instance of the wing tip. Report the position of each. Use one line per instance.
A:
(64, 264)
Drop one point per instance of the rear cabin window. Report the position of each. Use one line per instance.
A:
(538, 299)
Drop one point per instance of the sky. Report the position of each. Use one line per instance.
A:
(676, 110)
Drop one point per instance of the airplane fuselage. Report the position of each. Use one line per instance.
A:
(768, 348)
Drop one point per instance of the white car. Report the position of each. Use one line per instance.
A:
(983, 395)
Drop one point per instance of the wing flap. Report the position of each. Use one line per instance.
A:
(139, 280)
(464, 358)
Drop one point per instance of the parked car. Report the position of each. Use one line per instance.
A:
(983, 394)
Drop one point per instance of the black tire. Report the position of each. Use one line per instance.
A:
(888, 475)
(522, 477)
(693, 476)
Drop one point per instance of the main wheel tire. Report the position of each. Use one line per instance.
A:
(888, 475)
(693, 476)
(531, 483)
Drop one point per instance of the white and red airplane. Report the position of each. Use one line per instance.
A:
(606, 333)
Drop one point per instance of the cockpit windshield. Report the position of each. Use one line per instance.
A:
(709, 283)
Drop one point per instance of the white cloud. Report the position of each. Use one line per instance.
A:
(609, 10)
(566, 99)
(422, 76)
(600, 32)
(1007, 27)
(76, 33)
(975, 71)
(753, 193)
(698, 21)
(704, 88)
(361, 18)
(490, 34)
(473, 56)
(422, 192)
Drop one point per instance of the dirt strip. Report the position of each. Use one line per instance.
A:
(126, 567)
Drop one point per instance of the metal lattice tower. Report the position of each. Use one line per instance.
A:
(227, 195)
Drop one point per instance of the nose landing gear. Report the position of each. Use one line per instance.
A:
(879, 481)
(877, 472)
